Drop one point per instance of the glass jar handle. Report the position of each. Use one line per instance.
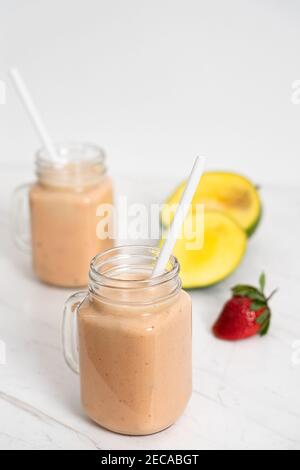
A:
(20, 218)
(69, 330)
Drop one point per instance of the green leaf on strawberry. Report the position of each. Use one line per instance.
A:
(265, 328)
(257, 305)
(248, 291)
(262, 282)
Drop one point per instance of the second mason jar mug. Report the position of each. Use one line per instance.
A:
(135, 342)
(64, 214)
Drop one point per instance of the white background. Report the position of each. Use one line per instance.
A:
(156, 82)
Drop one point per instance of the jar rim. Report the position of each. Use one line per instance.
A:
(83, 152)
(152, 253)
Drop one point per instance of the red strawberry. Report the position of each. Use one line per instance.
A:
(246, 314)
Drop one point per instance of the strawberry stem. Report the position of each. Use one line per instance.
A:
(272, 294)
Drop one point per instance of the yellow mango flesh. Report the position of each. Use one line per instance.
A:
(230, 193)
(224, 246)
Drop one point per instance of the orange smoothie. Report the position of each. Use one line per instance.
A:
(135, 346)
(64, 219)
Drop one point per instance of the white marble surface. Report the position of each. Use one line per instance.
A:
(246, 395)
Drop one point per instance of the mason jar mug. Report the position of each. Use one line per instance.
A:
(64, 203)
(130, 339)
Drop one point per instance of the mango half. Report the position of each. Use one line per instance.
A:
(230, 193)
(224, 246)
